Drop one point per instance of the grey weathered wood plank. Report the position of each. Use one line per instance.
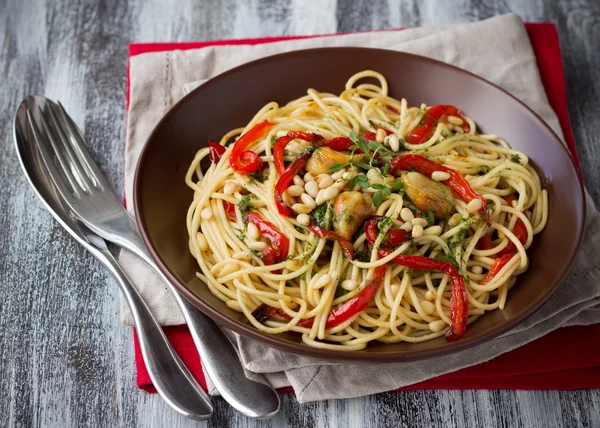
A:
(65, 360)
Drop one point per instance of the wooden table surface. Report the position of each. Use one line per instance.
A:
(65, 359)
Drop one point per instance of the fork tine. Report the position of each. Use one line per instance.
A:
(72, 159)
(55, 139)
(79, 146)
(46, 156)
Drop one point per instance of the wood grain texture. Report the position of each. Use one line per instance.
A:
(65, 360)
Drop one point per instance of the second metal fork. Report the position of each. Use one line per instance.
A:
(88, 193)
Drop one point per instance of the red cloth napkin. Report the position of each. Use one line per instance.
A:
(567, 358)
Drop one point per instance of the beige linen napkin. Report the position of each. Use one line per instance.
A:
(497, 49)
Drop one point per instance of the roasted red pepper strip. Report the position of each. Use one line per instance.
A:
(246, 161)
(282, 143)
(358, 303)
(271, 256)
(338, 143)
(337, 316)
(285, 180)
(270, 232)
(371, 136)
(485, 242)
(457, 182)
(394, 237)
(433, 115)
(215, 151)
(459, 305)
(230, 210)
(520, 231)
(346, 245)
(498, 264)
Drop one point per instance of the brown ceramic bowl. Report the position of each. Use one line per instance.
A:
(229, 101)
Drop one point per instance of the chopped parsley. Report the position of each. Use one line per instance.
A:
(244, 205)
(323, 215)
(516, 159)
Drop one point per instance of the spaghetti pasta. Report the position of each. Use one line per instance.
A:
(355, 217)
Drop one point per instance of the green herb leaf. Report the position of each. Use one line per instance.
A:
(353, 135)
(362, 144)
(397, 185)
(373, 145)
(386, 190)
(515, 159)
(364, 165)
(377, 186)
(336, 167)
(378, 198)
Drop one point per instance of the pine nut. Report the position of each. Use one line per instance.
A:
(298, 180)
(406, 214)
(474, 206)
(330, 193)
(349, 284)
(454, 220)
(242, 255)
(417, 230)
(347, 175)
(293, 265)
(477, 270)
(230, 188)
(437, 325)
(301, 208)
(206, 214)
(323, 281)
(372, 173)
(430, 295)
(312, 188)
(393, 142)
(380, 135)
(307, 200)
(340, 185)
(295, 190)
(319, 199)
(454, 120)
(433, 230)
(324, 181)
(309, 176)
(257, 246)
(440, 175)
(407, 226)
(428, 307)
(202, 243)
(419, 222)
(338, 175)
(303, 219)
(289, 201)
(228, 268)
(394, 288)
(253, 232)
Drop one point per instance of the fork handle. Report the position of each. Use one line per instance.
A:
(169, 375)
(253, 398)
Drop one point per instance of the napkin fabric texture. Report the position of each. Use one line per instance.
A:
(497, 49)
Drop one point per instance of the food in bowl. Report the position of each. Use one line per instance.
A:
(354, 218)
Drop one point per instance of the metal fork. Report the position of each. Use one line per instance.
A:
(88, 193)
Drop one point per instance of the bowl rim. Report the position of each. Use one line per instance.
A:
(299, 348)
